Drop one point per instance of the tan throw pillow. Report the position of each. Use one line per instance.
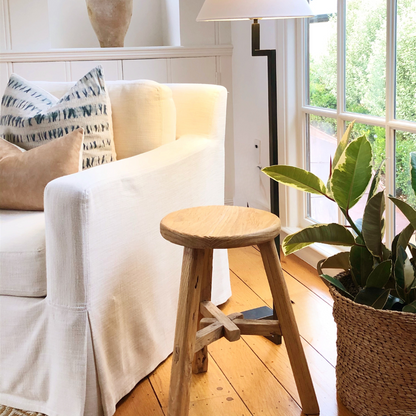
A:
(24, 175)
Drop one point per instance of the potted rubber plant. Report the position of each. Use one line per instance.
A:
(375, 292)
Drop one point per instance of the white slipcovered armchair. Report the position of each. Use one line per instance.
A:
(89, 287)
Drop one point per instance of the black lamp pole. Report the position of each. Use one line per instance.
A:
(272, 87)
(266, 312)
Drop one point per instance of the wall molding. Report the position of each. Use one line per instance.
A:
(96, 54)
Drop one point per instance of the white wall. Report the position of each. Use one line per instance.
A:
(171, 22)
(26, 25)
(251, 114)
(145, 27)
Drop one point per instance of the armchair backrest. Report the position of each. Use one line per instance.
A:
(143, 113)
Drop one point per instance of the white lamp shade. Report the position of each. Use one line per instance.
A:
(218, 10)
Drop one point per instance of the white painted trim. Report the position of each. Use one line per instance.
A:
(390, 114)
(6, 24)
(97, 54)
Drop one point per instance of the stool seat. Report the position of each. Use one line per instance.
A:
(219, 227)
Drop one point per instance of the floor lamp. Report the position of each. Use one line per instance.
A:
(255, 10)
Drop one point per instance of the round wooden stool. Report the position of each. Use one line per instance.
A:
(200, 230)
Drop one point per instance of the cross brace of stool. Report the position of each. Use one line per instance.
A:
(216, 325)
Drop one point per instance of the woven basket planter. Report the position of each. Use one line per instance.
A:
(376, 364)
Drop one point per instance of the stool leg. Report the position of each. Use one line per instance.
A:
(200, 363)
(186, 326)
(289, 328)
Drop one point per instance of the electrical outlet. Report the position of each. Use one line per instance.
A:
(257, 149)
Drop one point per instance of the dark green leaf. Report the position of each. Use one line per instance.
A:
(375, 182)
(410, 308)
(361, 262)
(380, 275)
(404, 274)
(338, 261)
(394, 247)
(399, 266)
(386, 253)
(296, 178)
(352, 173)
(407, 210)
(405, 236)
(373, 224)
(392, 303)
(373, 296)
(412, 248)
(334, 234)
(413, 170)
(337, 284)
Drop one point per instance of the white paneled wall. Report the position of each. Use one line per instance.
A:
(113, 70)
(197, 70)
(154, 69)
(29, 24)
(42, 71)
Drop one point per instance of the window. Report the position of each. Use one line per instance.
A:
(359, 61)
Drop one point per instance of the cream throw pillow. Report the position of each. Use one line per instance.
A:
(25, 174)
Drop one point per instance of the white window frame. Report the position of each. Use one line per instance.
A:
(292, 117)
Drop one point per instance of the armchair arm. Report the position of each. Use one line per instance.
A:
(102, 223)
(200, 109)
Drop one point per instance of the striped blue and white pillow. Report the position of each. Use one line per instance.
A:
(30, 116)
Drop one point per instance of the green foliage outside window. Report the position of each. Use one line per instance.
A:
(365, 78)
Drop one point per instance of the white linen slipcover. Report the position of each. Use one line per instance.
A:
(22, 253)
(112, 281)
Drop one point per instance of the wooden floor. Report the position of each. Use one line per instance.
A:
(252, 376)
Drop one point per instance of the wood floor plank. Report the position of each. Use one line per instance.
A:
(141, 401)
(276, 359)
(314, 316)
(211, 393)
(307, 275)
(254, 383)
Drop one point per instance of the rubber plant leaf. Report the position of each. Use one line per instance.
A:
(405, 236)
(361, 261)
(338, 152)
(407, 210)
(411, 307)
(412, 249)
(373, 224)
(334, 234)
(375, 182)
(413, 170)
(380, 275)
(342, 145)
(337, 284)
(337, 261)
(352, 173)
(393, 302)
(404, 273)
(296, 178)
(373, 296)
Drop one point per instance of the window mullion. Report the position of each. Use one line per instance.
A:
(390, 113)
(341, 42)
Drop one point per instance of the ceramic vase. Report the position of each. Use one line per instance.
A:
(110, 20)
